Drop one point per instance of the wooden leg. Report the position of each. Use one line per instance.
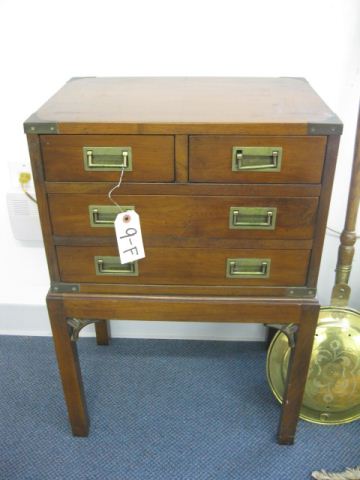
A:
(69, 367)
(297, 374)
(102, 332)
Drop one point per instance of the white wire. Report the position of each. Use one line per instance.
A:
(114, 188)
(337, 232)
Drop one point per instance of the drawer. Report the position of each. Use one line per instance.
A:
(77, 158)
(185, 266)
(169, 216)
(246, 159)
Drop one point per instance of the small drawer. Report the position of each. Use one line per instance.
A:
(186, 266)
(245, 159)
(165, 217)
(100, 158)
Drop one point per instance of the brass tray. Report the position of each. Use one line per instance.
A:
(332, 392)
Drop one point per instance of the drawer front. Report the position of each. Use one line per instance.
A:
(167, 217)
(240, 159)
(77, 158)
(186, 266)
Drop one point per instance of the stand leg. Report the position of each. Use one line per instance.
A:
(102, 332)
(297, 374)
(69, 367)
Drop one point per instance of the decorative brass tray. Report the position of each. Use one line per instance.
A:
(332, 392)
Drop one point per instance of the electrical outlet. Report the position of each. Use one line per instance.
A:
(24, 217)
(15, 169)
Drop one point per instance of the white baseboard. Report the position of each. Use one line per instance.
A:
(32, 320)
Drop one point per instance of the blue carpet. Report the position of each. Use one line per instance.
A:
(160, 410)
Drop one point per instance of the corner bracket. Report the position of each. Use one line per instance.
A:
(289, 330)
(41, 128)
(76, 325)
(330, 128)
(59, 287)
(301, 292)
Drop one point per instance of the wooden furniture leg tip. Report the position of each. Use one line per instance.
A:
(80, 431)
(102, 332)
(103, 343)
(285, 440)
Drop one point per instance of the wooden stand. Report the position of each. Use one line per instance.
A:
(64, 307)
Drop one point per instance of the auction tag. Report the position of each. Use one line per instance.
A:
(128, 236)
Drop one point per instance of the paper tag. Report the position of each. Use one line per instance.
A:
(128, 236)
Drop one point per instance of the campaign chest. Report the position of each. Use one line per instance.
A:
(232, 180)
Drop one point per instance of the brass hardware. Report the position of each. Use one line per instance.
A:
(332, 393)
(264, 159)
(77, 324)
(289, 330)
(340, 295)
(112, 266)
(105, 215)
(58, 287)
(107, 159)
(248, 267)
(252, 218)
(342, 273)
(300, 292)
(41, 128)
(330, 128)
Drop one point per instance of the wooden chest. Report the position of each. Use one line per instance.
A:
(232, 180)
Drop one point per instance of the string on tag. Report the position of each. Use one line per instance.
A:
(114, 188)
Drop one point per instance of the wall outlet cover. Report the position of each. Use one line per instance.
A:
(24, 217)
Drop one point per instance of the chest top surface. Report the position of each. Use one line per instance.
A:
(185, 105)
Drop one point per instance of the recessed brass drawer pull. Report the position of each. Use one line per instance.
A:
(265, 159)
(252, 218)
(248, 267)
(104, 215)
(112, 266)
(107, 158)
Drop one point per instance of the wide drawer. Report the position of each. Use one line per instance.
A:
(247, 159)
(185, 266)
(170, 216)
(145, 158)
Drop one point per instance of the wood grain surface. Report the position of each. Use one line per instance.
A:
(219, 189)
(186, 105)
(185, 266)
(168, 217)
(185, 308)
(210, 159)
(152, 157)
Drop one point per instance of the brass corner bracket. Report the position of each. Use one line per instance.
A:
(334, 127)
(60, 287)
(289, 330)
(41, 128)
(77, 324)
(301, 292)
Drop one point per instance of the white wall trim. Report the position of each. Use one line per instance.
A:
(32, 320)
